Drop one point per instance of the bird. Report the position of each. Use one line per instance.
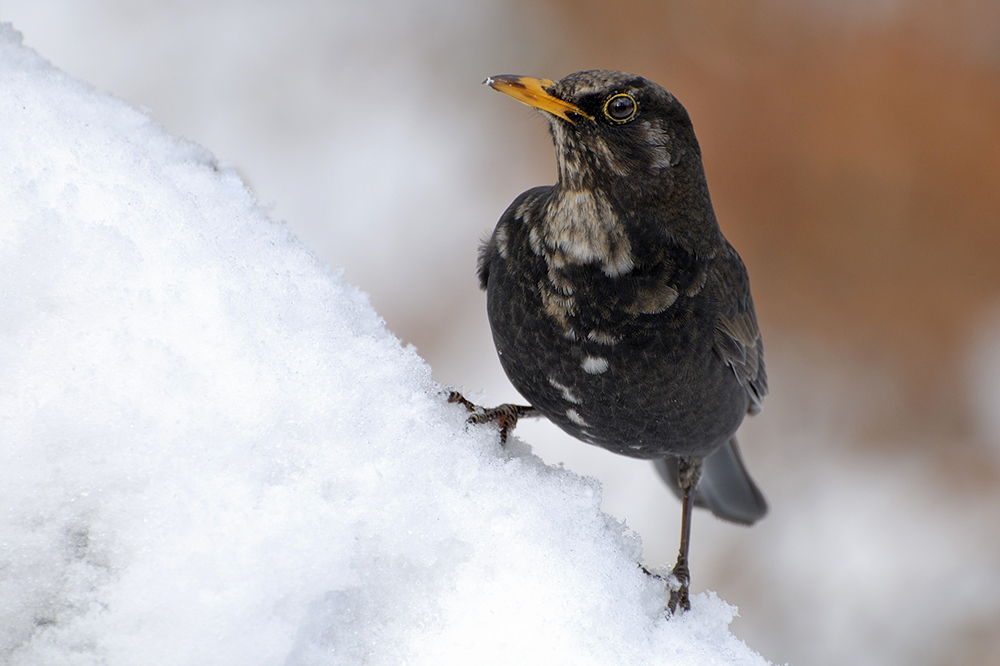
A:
(618, 309)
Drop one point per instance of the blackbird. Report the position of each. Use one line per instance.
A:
(618, 309)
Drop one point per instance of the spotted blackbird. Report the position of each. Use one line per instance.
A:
(618, 309)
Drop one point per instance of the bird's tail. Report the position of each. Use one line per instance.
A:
(725, 489)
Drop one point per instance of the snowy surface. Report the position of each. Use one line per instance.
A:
(878, 550)
(214, 453)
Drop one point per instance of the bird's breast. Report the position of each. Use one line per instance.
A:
(581, 227)
(623, 361)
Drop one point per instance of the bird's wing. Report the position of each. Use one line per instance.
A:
(737, 336)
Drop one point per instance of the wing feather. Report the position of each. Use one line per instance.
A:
(737, 335)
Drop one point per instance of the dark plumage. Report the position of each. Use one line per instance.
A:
(618, 309)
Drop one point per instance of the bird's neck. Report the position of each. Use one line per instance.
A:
(612, 226)
(581, 226)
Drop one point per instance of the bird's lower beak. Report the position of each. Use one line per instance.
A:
(533, 92)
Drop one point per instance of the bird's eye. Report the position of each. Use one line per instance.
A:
(620, 108)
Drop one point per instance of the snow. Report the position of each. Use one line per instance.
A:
(214, 453)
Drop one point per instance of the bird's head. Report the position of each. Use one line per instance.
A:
(609, 127)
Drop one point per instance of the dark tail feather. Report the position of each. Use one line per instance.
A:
(725, 489)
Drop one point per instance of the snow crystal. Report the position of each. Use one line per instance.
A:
(214, 453)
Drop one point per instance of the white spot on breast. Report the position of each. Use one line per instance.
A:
(698, 284)
(560, 282)
(653, 299)
(567, 393)
(601, 337)
(523, 211)
(534, 241)
(594, 365)
(575, 417)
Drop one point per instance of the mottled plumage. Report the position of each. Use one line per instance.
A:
(618, 309)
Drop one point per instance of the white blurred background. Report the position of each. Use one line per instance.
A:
(852, 151)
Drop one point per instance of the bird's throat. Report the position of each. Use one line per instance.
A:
(580, 226)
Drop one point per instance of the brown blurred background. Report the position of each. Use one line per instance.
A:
(853, 153)
(854, 159)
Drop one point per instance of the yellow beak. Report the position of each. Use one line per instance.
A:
(532, 91)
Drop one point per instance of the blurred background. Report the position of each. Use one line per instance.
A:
(853, 152)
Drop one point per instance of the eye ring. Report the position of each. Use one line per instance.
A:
(620, 108)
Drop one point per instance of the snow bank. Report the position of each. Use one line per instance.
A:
(212, 452)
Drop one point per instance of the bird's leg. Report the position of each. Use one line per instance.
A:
(688, 473)
(505, 416)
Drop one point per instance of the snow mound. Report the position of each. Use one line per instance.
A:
(212, 452)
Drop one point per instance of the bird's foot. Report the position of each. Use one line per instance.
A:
(505, 416)
(679, 581)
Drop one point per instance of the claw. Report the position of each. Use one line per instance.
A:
(679, 582)
(505, 416)
(650, 573)
(455, 396)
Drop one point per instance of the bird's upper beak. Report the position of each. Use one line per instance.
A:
(534, 92)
